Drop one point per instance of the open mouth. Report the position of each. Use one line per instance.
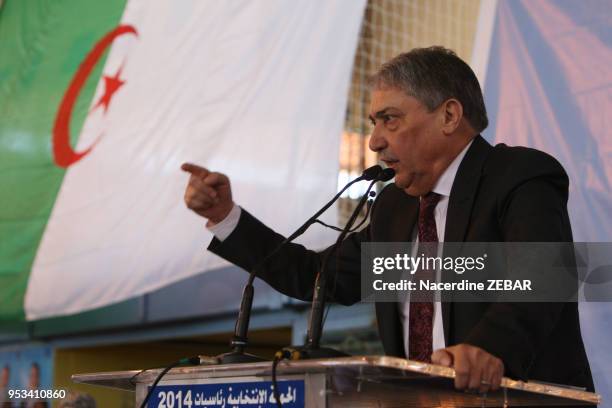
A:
(389, 163)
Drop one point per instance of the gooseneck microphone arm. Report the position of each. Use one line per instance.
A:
(239, 340)
(368, 174)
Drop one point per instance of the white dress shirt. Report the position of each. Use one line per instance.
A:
(443, 187)
(223, 229)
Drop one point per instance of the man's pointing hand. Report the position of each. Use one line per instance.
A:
(208, 194)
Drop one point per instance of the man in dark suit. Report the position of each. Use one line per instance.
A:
(450, 185)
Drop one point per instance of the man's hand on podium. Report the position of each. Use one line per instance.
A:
(208, 194)
(474, 368)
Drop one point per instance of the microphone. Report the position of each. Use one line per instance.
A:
(239, 340)
(386, 174)
(371, 173)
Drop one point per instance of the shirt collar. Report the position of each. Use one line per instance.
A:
(445, 182)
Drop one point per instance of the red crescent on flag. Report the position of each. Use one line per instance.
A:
(63, 154)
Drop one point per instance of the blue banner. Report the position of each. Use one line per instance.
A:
(549, 86)
(229, 395)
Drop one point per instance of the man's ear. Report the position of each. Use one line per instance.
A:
(452, 113)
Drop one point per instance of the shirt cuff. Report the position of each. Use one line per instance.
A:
(223, 229)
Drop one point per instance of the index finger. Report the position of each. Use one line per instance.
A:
(213, 179)
(442, 357)
(194, 169)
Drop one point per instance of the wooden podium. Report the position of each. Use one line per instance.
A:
(340, 382)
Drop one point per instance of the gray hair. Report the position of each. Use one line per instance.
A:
(433, 75)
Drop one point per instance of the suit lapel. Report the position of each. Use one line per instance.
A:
(404, 210)
(464, 190)
(461, 201)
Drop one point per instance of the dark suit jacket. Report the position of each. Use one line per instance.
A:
(499, 194)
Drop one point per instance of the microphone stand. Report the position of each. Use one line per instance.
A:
(239, 340)
(312, 348)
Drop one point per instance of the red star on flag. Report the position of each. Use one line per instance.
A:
(63, 154)
(111, 85)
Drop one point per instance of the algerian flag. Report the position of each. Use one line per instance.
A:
(100, 103)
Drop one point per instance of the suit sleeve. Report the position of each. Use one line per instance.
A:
(292, 271)
(534, 211)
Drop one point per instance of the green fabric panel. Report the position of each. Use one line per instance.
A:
(42, 43)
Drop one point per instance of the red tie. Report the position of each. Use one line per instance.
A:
(421, 313)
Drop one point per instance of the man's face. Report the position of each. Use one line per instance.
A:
(34, 377)
(4, 378)
(408, 138)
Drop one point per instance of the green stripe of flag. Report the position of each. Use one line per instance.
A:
(42, 44)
